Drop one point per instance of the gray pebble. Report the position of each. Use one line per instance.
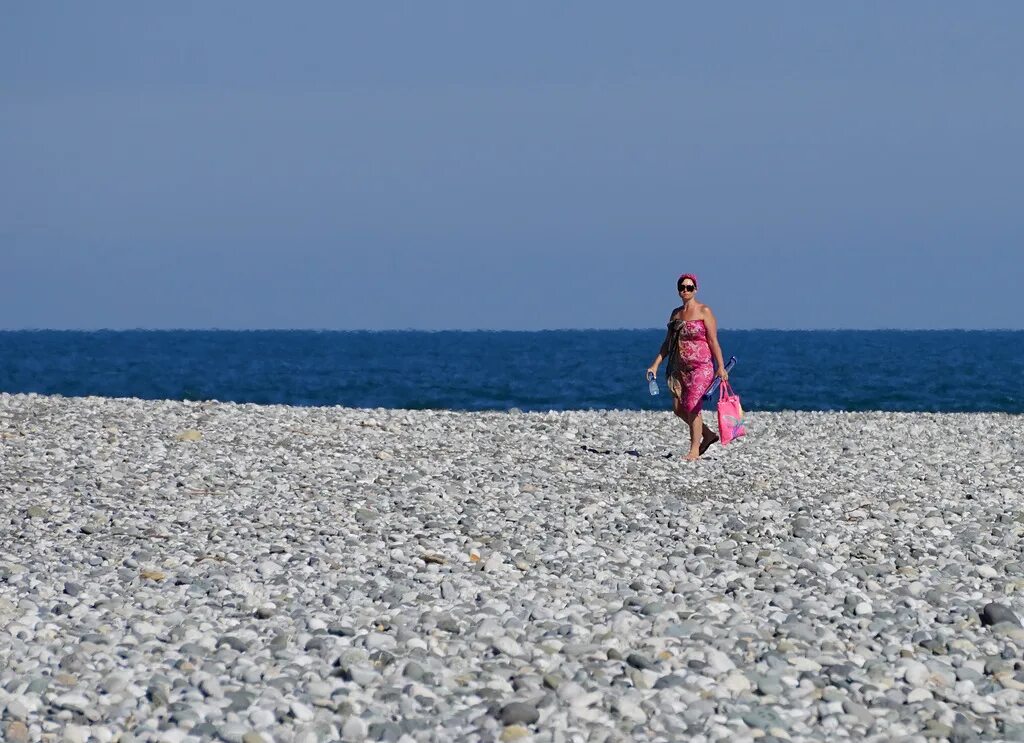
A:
(518, 713)
(993, 613)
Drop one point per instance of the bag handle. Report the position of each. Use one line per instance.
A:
(725, 390)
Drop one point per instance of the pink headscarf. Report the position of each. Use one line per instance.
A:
(690, 276)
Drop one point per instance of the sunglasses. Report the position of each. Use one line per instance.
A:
(687, 288)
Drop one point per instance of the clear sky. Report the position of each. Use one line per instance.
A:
(511, 165)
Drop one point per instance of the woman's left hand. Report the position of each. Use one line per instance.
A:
(723, 375)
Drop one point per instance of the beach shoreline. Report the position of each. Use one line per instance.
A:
(192, 570)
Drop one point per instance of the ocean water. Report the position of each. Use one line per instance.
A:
(934, 371)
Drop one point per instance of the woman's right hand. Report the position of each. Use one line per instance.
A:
(652, 372)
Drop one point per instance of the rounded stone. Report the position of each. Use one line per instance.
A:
(995, 613)
(518, 713)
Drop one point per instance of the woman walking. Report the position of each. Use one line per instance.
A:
(691, 342)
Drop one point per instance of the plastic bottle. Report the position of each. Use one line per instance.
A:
(652, 384)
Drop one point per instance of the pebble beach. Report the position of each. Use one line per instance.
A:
(181, 571)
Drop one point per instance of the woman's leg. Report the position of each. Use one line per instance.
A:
(696, 423)
(679, 409)
(708, 437)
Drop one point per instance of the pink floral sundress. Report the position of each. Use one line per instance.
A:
(690, 367)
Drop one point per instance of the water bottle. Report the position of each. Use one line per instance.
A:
(652, 384)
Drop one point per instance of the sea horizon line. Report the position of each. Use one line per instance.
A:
(497, 330)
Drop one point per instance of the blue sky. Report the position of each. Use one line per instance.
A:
(515, 165)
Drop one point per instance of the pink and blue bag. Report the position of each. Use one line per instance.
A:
(730, 414)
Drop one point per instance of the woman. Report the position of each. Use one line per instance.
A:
(689, 345)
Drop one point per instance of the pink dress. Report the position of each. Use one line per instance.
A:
(690, 367)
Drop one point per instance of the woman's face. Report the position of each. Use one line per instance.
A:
(687, 289)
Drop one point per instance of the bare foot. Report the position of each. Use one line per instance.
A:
(692, 456)
(707, 441)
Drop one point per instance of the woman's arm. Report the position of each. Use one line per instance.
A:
(662, 354)
(663, 351)
(716, 350)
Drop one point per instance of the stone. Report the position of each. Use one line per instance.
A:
(518, 713)
(17, 732)
(993, 613)
(514, 732)
(858, 710)
(630, 710)
(639, 661)
(916, 673)
(670, 681)
(354, 729)
(764, 718)
(718, 662)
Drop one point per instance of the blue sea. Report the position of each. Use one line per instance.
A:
(550, 370)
